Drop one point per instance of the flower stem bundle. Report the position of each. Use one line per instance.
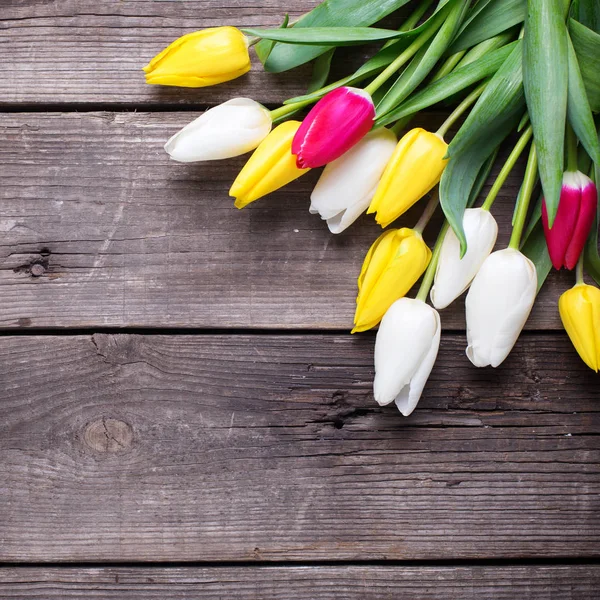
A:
(523, 70)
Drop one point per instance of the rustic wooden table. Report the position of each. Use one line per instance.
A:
(184, 413)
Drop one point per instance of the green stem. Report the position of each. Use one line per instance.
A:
(524, 198)
(416, 15)
(287, 109)
(405, 56)
(507, 168)
(252, 41)
(571, 143)
(460, 109)
(579, 270)
(431, 268)
(428, 212)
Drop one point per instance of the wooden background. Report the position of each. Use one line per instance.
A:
(184, 413)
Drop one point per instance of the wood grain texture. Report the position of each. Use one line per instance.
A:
(93, 51)
(270, 447)
(99, 228)
(558, 582)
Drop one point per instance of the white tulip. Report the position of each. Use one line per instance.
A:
(406, 347)
(453, 274)
(347, 185)
(498, 304)
(230, 129)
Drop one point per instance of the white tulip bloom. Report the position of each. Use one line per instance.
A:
(230, 129)
(347, 185)
(406, 347)
(498, 304)
(453, 274)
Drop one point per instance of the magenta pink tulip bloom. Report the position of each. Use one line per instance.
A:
(574, 219)
(338, 121)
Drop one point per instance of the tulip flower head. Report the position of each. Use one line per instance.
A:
(270, 167)
(498, 304)
(453, 274)
(574, 219)
(414, 169)
(392, 266)
(336, 122)
(348, 184)
(406, 347)
(579, 310)
(202, 58)
(230, 129)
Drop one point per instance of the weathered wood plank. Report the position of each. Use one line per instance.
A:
(257, 447)
(572, 582)
(123, 237)
(92, 51)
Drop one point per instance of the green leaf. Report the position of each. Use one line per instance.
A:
(587, 47)
(536, 250)
(482, 176)
(321, 70)
(545, 76)
(269, 45)
(326, 36)
(424, 60)
(495, 114)
(578, 108)
(488, 20)
(587, 12)
(454, 82)
(331, 13)
(381, 60)
(591, 258)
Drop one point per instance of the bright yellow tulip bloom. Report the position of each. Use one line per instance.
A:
(201, 58)
(270, 167)
(392, 266)
(415, 168)
(580, 313)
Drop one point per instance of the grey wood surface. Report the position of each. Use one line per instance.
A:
(121, 236)
(92, 51)
(270, 447)
(557, 582)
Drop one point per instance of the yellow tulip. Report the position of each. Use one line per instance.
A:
(270, 167)
(580, 313)
(392, 266)
(415, 168)
(201, 58)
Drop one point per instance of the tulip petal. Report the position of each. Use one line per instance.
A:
(348, 184)
(405, 349)
(414, 169)
(335, 124)
(585, 219)
(230, 129)
(453, 274)
(579, 310)
(498, 305)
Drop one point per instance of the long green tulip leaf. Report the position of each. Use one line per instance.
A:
(321, 71)
(331, 13)
(326, 36)
(491, 19)
(425, 59)
(545, 76)
(454, 82)
(586, 43)
(587, 12)
(494, 116)
(268, 45)
(578, 108)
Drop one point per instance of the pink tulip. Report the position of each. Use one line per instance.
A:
(574, 219)
(337, 122)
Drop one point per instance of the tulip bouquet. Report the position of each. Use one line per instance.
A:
(523, 70)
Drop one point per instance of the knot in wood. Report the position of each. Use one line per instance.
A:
(37, 269)
(108, 435)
